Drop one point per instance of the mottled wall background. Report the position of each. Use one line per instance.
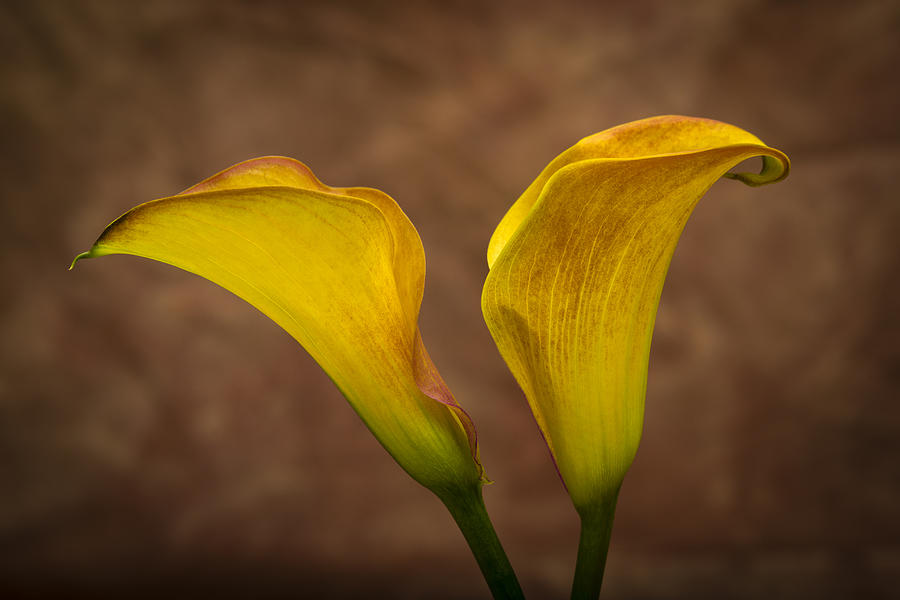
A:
(159, 438)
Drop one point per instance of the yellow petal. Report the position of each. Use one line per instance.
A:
(577, 269)
(342, 270)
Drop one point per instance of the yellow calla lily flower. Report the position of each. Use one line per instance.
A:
(576, 271)
(342, 270)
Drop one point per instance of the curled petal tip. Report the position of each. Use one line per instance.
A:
(776, 167)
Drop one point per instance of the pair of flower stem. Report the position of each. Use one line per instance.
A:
(577, 266)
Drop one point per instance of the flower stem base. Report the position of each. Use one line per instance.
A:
(596, 530)
(471, 516)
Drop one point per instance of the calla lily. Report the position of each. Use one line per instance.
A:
(342, 271)
(576, 271)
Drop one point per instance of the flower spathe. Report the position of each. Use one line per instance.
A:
(577, 267)
(341, 270)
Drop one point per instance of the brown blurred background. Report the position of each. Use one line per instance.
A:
(159, 438)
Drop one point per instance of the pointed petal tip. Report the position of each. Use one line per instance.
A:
(87, 254)
(96, 251)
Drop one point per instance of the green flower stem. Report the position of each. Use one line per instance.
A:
(467, 509)
(596, 529)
